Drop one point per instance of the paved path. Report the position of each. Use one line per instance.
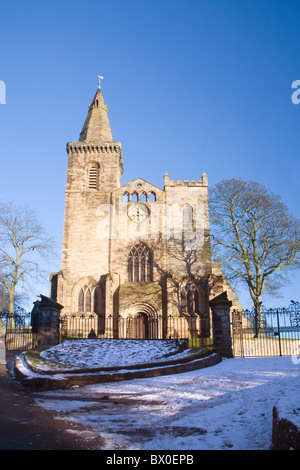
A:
(25, 426)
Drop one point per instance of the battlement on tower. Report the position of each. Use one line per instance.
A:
(191, 183)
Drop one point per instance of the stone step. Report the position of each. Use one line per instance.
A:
(39, 379)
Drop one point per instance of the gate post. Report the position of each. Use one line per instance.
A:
(45, 320)
(220, 307)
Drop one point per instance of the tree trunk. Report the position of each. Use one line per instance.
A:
(11, 311)
(258, 319)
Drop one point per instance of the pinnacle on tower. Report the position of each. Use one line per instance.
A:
(97, 127)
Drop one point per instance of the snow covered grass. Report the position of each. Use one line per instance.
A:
(110, 352)
(227, 406)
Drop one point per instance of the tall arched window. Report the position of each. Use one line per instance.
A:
(88, 303)
(189, 299)
(140, 264)
(89, 299)
(188, 218)
(81, 301)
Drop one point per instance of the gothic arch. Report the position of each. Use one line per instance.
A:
(139, 321)
(143, 196)
(87, 296)
(134, 196)
(188, 220)
(140, 307)
(140, 264)
(152, 196)
(126, 197)
(191, 298)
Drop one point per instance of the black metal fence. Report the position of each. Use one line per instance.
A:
(193, 329)
(274, 332)
(17, 331)
(269, 332)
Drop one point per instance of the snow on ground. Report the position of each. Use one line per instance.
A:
(110, 352)
(227, 406)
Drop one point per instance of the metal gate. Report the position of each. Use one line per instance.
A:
(18, 334)
(274, 332)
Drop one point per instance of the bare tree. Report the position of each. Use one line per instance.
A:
(23, 245)
(254, 237)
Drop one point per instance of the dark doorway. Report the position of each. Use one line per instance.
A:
(140, 326)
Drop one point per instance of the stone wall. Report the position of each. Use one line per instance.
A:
(286, 429)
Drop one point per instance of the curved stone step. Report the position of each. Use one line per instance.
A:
(65, 379)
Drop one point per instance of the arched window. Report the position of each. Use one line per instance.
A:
(88, 303)
(81, 301)
(143, 197)
(125, 197)
(152, 197)
(89, 299)
(98, 300)
(189, 299)
(140, 264)
(188, 214)
(188, 221)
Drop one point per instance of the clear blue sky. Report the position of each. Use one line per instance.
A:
(191, 85)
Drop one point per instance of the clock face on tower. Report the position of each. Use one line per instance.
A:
(138, 212)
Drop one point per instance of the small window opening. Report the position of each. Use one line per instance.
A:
(152, 197)
(93, 178)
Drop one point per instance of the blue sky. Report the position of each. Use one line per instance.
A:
(191, 85)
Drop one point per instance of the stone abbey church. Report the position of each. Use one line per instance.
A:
(134, 252)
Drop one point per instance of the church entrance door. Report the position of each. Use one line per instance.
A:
(140, 326)
(139, 321)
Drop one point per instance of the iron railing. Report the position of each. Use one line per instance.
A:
(192, 329)
(271, 332)
(18, 333)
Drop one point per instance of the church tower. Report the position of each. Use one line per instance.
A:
(95, 166)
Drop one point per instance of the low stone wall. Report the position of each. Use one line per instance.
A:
(286, 429)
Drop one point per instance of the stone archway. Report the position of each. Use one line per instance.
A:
(141, 322)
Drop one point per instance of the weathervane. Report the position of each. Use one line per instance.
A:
(99, 80)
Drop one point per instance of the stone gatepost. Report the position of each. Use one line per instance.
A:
(220, 307)
(45, 320)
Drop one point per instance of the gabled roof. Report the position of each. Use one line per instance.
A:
(141, 181)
